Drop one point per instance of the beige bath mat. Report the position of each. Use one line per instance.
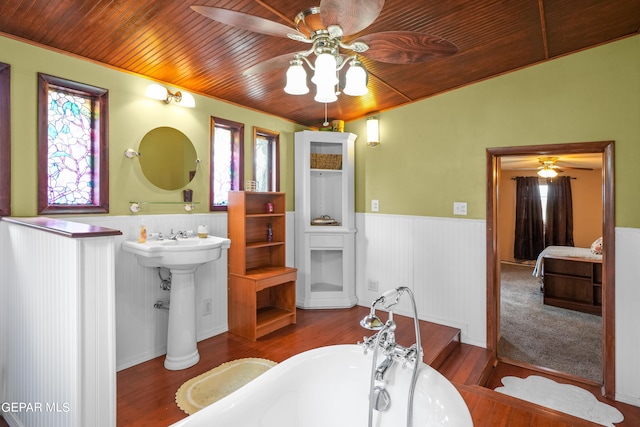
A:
(215, 384)
(212, 386)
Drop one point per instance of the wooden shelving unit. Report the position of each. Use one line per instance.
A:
(261, 288)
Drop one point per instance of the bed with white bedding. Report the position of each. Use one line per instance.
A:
(564, 251)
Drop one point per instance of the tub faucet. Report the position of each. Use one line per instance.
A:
(383, 367)
(384, 341)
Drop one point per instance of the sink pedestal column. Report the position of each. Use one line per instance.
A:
(182, 350)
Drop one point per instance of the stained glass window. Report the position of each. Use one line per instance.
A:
(70, 164)
(74, 154)
(227, 140)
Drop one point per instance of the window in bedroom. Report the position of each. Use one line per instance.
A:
(73, 164)
(5, 140)
(543, 200)
(266, 166)
(226, 162)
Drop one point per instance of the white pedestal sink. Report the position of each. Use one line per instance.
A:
(182, 257)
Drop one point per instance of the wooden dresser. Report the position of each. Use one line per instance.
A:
(573, 283)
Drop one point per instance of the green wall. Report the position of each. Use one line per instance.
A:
(433, 152)
(131, 117)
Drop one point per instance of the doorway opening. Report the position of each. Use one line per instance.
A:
(494, 171)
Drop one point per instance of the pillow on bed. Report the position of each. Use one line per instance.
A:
(596, 247)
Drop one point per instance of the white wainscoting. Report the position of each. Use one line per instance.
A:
(58, 307)
(627, 315)
(442, 260)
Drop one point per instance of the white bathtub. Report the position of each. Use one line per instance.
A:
(329, 386)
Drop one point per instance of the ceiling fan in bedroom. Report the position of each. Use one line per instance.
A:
(326, 28)
(549, 167)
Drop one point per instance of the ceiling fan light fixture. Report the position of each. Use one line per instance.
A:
(356, 79)
(547, 172)
(296, 79)
(325, 70)
(326, 94)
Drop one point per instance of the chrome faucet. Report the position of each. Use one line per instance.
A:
(384, 340)
(179, 234)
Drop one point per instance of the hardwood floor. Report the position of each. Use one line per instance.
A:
(146, 391)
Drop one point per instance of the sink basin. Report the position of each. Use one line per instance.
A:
(181, 254)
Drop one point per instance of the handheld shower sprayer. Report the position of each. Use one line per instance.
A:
(387, 301)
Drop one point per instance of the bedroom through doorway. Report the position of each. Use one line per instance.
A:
(525, 325)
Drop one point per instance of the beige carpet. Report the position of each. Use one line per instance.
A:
(215, 384)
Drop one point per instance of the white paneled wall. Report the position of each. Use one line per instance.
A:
(441, 259)
(627, 315)
(59, 363)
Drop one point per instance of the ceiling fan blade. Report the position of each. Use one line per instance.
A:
(576, 168)
(405, 47)
(245, 21)
(274, 63)
(351, 15)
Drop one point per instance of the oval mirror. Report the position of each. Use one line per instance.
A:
(168, 158)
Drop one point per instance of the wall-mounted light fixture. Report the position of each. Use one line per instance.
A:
(130, 153)
(373, 132)
(161, 93)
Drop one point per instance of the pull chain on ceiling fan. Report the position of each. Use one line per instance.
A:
(323, 27)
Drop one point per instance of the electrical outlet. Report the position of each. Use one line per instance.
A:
(459, 208)
(206, 307)
(373, 285)
(375, 205)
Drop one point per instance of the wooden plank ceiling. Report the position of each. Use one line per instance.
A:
(169, 42)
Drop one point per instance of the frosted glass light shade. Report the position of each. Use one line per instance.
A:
(326, 94)
(547, 172)
(187, 100)
(373, 132)
(325, 74)
(356, 80)
(156, 91)
(296, 80)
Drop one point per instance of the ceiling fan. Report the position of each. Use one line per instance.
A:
(550, 169)
(323, 27)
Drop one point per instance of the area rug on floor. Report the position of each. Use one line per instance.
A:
(215, 384)
(565, 398)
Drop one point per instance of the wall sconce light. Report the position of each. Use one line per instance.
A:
(373, 132)
(161, 93)
(130, 153)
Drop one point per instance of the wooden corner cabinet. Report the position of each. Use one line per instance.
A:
(573, 283)
(262, 289)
